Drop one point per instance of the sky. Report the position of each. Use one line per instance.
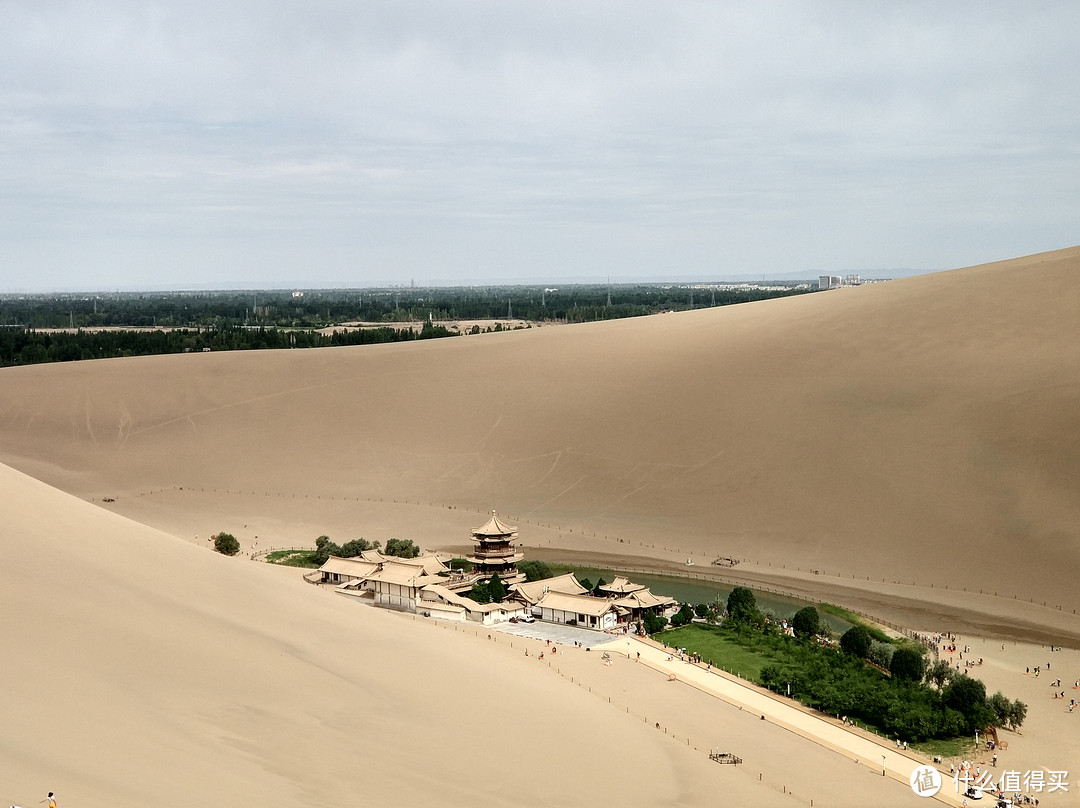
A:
(161, 145)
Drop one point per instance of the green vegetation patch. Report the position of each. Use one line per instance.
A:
(910, 701)
(293, 558)
(857, 620)
(720, 647)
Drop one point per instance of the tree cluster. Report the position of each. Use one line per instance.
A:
(401, 548)
(226, 544)
(322, 307)
(324, 548)
(493, 590)
(28, 347)
(535, 570)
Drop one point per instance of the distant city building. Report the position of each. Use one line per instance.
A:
(836, 281)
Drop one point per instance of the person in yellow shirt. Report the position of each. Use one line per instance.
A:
(51, 799)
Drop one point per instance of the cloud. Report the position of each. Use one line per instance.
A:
(257, 142)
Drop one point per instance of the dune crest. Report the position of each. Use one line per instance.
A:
(926, 427)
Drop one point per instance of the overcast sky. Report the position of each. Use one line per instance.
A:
(195, 144)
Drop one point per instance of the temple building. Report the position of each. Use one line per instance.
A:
(426, 585)
(495, 551)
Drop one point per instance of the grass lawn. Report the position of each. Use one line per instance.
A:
(293, 558)
(948, 747)
(716, 646)
(858, 620)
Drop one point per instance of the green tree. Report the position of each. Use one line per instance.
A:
(967, 696)
(701, 610)
(496, 588)
(1001, 707)
(587, 584)
(881, 653)
(226, 544)
(324, 548)
(653, 622)
(806, 623)
(534, 570)
(479, 592)
(596, 589)
(907, 664)
(684, 616)
(856, 642)
(401, 548)
(351, 549)
(1017, 714)
(940, 674)
(742, 605)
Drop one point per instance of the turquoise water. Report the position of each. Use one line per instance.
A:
(694, 591)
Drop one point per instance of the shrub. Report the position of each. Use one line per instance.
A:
(881, 653)
(226, 544)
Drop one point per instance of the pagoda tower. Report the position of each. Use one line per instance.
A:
(495, 551)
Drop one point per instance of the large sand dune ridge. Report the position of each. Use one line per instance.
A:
(926, 428)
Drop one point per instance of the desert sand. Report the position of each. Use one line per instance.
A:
(910, 449)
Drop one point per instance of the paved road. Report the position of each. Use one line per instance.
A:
(557, 632)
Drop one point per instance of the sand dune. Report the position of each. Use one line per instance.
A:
(924, 429)
(140, 668)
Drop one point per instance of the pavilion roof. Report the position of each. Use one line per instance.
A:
(581, 604)
(621, 586)
(495, 527)
(532, 591)
(643, 599)
(394, 572)
(354, 567)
